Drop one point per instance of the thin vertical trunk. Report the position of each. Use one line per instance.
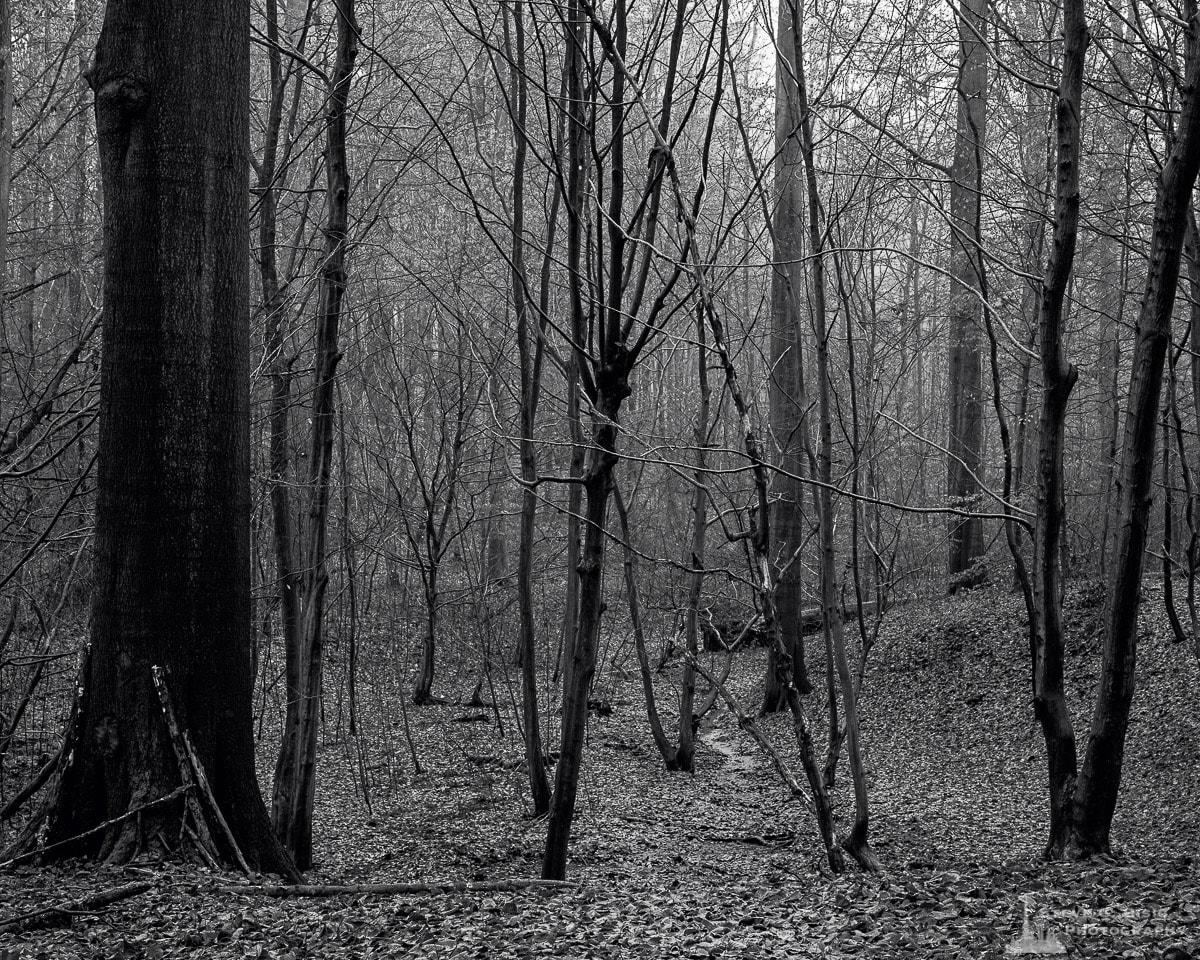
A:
(295, 781)
(1058, 379)
(856, 844)
(1100, 775)
(665, 750)
(530, 361)
(6, 137)
(685, 756)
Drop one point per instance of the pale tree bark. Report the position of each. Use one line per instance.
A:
(965, 401)
(295, 772)
(172, 560)
(685, 755)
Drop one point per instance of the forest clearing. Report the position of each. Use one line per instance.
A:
(719, 862)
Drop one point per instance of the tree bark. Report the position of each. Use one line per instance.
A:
(1058, 378)
(530, 351)
(965, 439)
(295, 772)
(786, 384)
(1100, 775)
(172, 555)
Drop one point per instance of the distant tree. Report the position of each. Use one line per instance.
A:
(172, 563)
(787, 398)
(965, 442)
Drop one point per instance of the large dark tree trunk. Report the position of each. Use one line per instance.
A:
(965, 440)
(1100, 775)
(172, 562)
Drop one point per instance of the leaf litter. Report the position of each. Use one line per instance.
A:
(719, 863)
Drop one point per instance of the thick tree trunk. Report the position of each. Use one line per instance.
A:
(1100, 775)
(965, 440)
(786, 393)
(173, 497)
(423, 688)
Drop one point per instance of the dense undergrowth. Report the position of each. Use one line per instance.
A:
(719, 863)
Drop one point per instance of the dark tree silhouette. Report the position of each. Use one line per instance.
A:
(172, 563)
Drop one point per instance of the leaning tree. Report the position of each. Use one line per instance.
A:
(171, 609)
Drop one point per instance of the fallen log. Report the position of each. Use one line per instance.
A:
(393, 889)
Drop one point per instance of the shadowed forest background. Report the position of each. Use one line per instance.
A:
(622, 456)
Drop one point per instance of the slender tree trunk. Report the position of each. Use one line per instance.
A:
(1100, 775)
(6, 138)
(580, 665)
(530, 369)
(665, 750)
(1058, 378)
(295, 780)
(856, 844)
(685, 756)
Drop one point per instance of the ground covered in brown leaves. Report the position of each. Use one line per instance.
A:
(720, 863)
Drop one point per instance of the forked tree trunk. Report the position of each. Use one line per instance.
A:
(172, 560)
(1058, 378)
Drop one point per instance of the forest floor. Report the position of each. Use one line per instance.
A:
(720, 863)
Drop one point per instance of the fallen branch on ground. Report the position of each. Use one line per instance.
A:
(37, 851)
(33, 786)
(394, 889)
(61, 914)
(746, 722)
